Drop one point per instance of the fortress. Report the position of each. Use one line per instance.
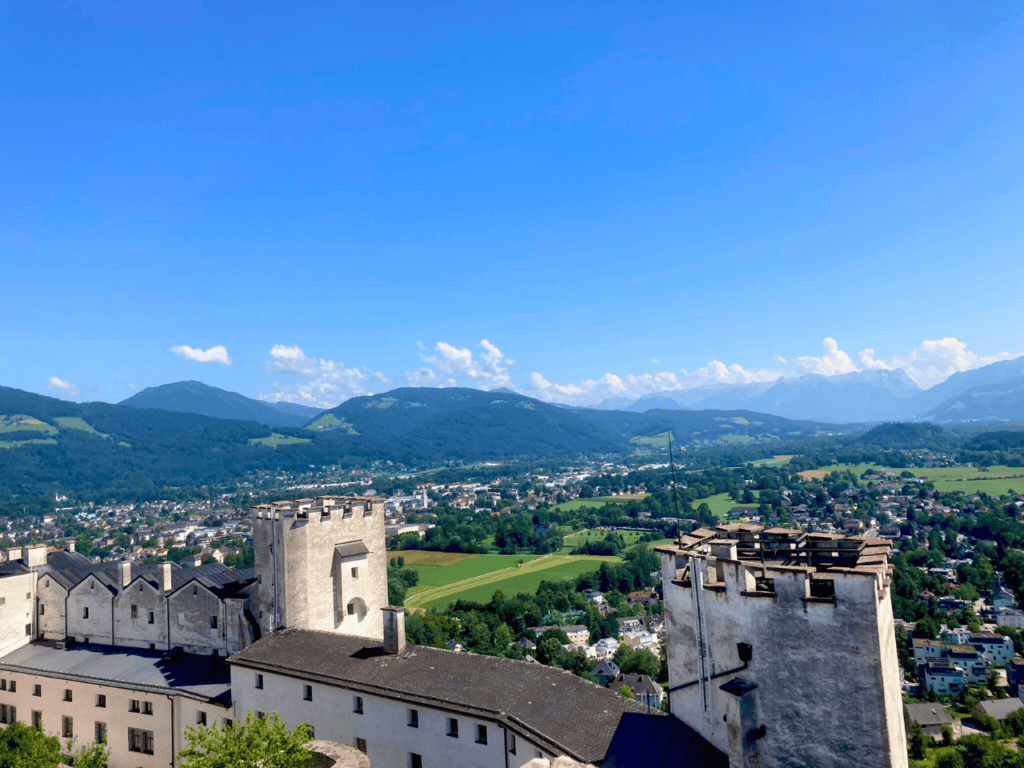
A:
(781, 652)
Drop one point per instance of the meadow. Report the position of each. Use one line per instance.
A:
(275, 440)
(597, 501)
(997, 481)
(511, 581)
(75, 422)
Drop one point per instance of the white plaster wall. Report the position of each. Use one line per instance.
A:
(16, 609)
(52, 623)
(138, 632)
(190, 619)
(85, 713)
(826, 678)
(90, 593)
(383, 724)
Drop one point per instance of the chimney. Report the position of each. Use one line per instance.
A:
(126, 573)
(394, 629)
(69, 545)
(34, 556)
(165, 577)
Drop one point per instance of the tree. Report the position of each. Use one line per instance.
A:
(264, 741)
(22, 746)
(915, 742)
(626, 691)
(949, 760)
(93, 756)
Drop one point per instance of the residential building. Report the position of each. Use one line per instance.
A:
(605, 671)
(932, 717)
(941, 676)
(645, 690)
(996, 648)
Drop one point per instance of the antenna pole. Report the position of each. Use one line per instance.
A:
(672, 466)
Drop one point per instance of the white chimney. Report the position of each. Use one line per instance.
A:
(70, 545)
(126, 573)
(165, 577)
(394, 629)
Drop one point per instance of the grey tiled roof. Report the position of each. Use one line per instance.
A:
(204, 677)
(929, 714)
(554, 708)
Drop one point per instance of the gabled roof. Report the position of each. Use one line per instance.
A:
(559, 711)
(929, 714)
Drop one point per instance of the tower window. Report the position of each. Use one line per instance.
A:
(355, 573)
(135, 611)
(213, 622)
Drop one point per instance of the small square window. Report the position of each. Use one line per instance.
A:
(259, 680)
(260, 715)
(414, 718)
(67, 694)
(228, 722)
(415, 761)
(133, 706)
(361, 745)
(357, 705)
(453, 727)
(147, 707)
(200, 718)
(307, 692)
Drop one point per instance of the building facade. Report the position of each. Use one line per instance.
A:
(782, 646)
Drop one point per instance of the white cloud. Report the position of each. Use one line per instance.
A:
(832, 363)
(218, 354)
(656, 361)
(64, 387)
(489, 371)
(323, 383)
(933, 361)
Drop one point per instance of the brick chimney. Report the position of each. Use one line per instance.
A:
(165, 577)
(126, 573)
(394, 629)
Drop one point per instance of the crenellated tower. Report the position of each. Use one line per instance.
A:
(321, 564)
(782, 648)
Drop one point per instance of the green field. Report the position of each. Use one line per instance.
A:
(721, 503)
(275, 440)
(738, 438)
(511, 579)
(21, 423)
(997, 481)
(74, 422)
(331, 422)
(429, 557)
(654, 441)
(574, 540)
(443, 575)
(597, 501)
(33, 441)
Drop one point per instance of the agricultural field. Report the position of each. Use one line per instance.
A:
(654, 441)
(21, 423)
(74, 422)
(275, 440)
(738, 438)
(573, 540)
(774, 461)
(428, 557)
(997, 481)
(721, 503)
(511, 579)
(478, 565)
(31, 441)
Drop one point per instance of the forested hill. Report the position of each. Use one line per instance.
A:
(49, 446)
(196, 397)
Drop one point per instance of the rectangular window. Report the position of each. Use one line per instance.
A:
(512, 743)
(101, 700)
(42, 609)
(147, 707)
(355, 573)
(67, 694)
(357, 705)
(200, 718)
(37, 690)
(133, 706)
(85, 612)
(453, 727)
(14, 686)
(261, 715)
(228, 722)
(140, 741)
(67, 727)
(259, 680)
(361, 745)
(415, 761)
(414, 718)
(213, 622)
(3, 684)
(3, 600)
(307, 692)
(5, 714)
(135, 611)
(481, 734)
(151, 618)
(101, 733)
(37, 720)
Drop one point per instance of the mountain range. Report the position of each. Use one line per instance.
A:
(196, 397)
(992, 393)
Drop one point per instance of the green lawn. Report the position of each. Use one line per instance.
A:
(574, 540)
(525, 579)
(34, 441)
(721, 504)
(275, 440)
(74, 422)
(997, 481)
(597, 501)
(331, 422)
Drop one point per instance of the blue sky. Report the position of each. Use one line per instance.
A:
(314, 201)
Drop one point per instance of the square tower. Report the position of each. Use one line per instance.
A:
(782, 647)
(321, 564)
